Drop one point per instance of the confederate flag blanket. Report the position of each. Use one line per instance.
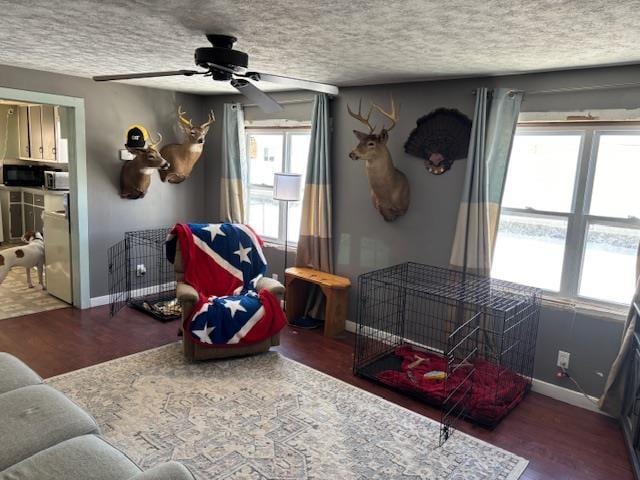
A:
(224, 262)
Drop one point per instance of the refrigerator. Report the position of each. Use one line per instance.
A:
(57, 253)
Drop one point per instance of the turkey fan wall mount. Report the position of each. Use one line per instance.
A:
(224, 64)
(440, 138)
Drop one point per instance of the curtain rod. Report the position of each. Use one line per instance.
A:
(575, 89)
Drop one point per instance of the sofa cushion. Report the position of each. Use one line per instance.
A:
(88, 457)
(15, 374)
(37, 417)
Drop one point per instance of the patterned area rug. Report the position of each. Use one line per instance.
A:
(17, 299)
(267, 417)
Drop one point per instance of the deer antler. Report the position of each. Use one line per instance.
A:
(212, 118)
(360, 117)
(153, 144)
(182, 118)
(393, 115)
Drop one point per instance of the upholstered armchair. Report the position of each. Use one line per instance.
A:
(188, 297)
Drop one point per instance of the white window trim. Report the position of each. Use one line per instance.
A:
(287, 133)
(578, 220)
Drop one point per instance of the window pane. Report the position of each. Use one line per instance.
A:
(542, 172)
(295, 215)
(264, 212)
(299, 157)
(264, 151)
(299, 153)
(615, 184)
(530, 250)
(609, 265)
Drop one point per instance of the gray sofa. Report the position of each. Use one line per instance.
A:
(45, 436)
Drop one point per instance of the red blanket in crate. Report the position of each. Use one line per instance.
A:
(495, 392)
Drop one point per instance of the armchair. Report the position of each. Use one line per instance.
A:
(188, 297)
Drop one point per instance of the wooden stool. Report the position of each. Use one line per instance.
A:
(334, 288)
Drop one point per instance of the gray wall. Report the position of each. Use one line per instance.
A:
(110, 109)
(363, 241)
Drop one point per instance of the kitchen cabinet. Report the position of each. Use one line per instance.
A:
(23, 132)
(35, 132)
(39, 133)
(32, 207)
(49, 132)
(21, 212)
(15, 221)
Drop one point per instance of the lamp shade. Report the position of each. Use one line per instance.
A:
(286, 186)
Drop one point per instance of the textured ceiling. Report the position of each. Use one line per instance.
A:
(342, 42)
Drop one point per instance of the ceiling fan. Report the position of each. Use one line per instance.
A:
(222, 63)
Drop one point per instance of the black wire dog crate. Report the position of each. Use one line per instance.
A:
(141, 277)
(458, 341)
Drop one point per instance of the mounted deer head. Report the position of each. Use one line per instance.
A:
(389, 187)
(135, 176)
(183, 156)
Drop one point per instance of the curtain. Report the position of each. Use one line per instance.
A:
(233, 181)
(494, 124)
(612, 399)
(314, 245)
(315, 249)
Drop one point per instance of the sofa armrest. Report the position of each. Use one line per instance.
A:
(166, 471)
(274, 286)
(187, 297)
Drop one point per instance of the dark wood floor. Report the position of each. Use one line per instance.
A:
(561, 442)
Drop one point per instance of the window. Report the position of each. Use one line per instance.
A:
(570, 213)
(270, 151)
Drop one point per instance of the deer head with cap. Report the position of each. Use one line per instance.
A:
(135, 175)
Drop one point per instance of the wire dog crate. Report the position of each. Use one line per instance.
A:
(141, 277)
(461, 342)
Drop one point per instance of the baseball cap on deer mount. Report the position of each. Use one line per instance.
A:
(137, 137)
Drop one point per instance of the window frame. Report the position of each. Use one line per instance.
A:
(286, 133)
(578, 218)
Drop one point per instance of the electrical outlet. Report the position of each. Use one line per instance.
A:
(274, 276)
(563, 359)
(140, 270)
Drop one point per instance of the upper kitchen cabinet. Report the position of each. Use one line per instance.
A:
(39, 134)
(23, 132)
(35, 134)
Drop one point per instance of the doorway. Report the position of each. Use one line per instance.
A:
(73, 109)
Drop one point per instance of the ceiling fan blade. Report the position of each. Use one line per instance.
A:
(294, 82)
(253, 93)
(129, 76)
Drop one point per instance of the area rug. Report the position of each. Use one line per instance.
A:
(268, 417)
(17, 299)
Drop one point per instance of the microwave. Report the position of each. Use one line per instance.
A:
(56, 180)
(23, 175)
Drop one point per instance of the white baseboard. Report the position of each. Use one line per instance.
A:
(99, 301)
(566, 395)
(104, 300)
(556, 392)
